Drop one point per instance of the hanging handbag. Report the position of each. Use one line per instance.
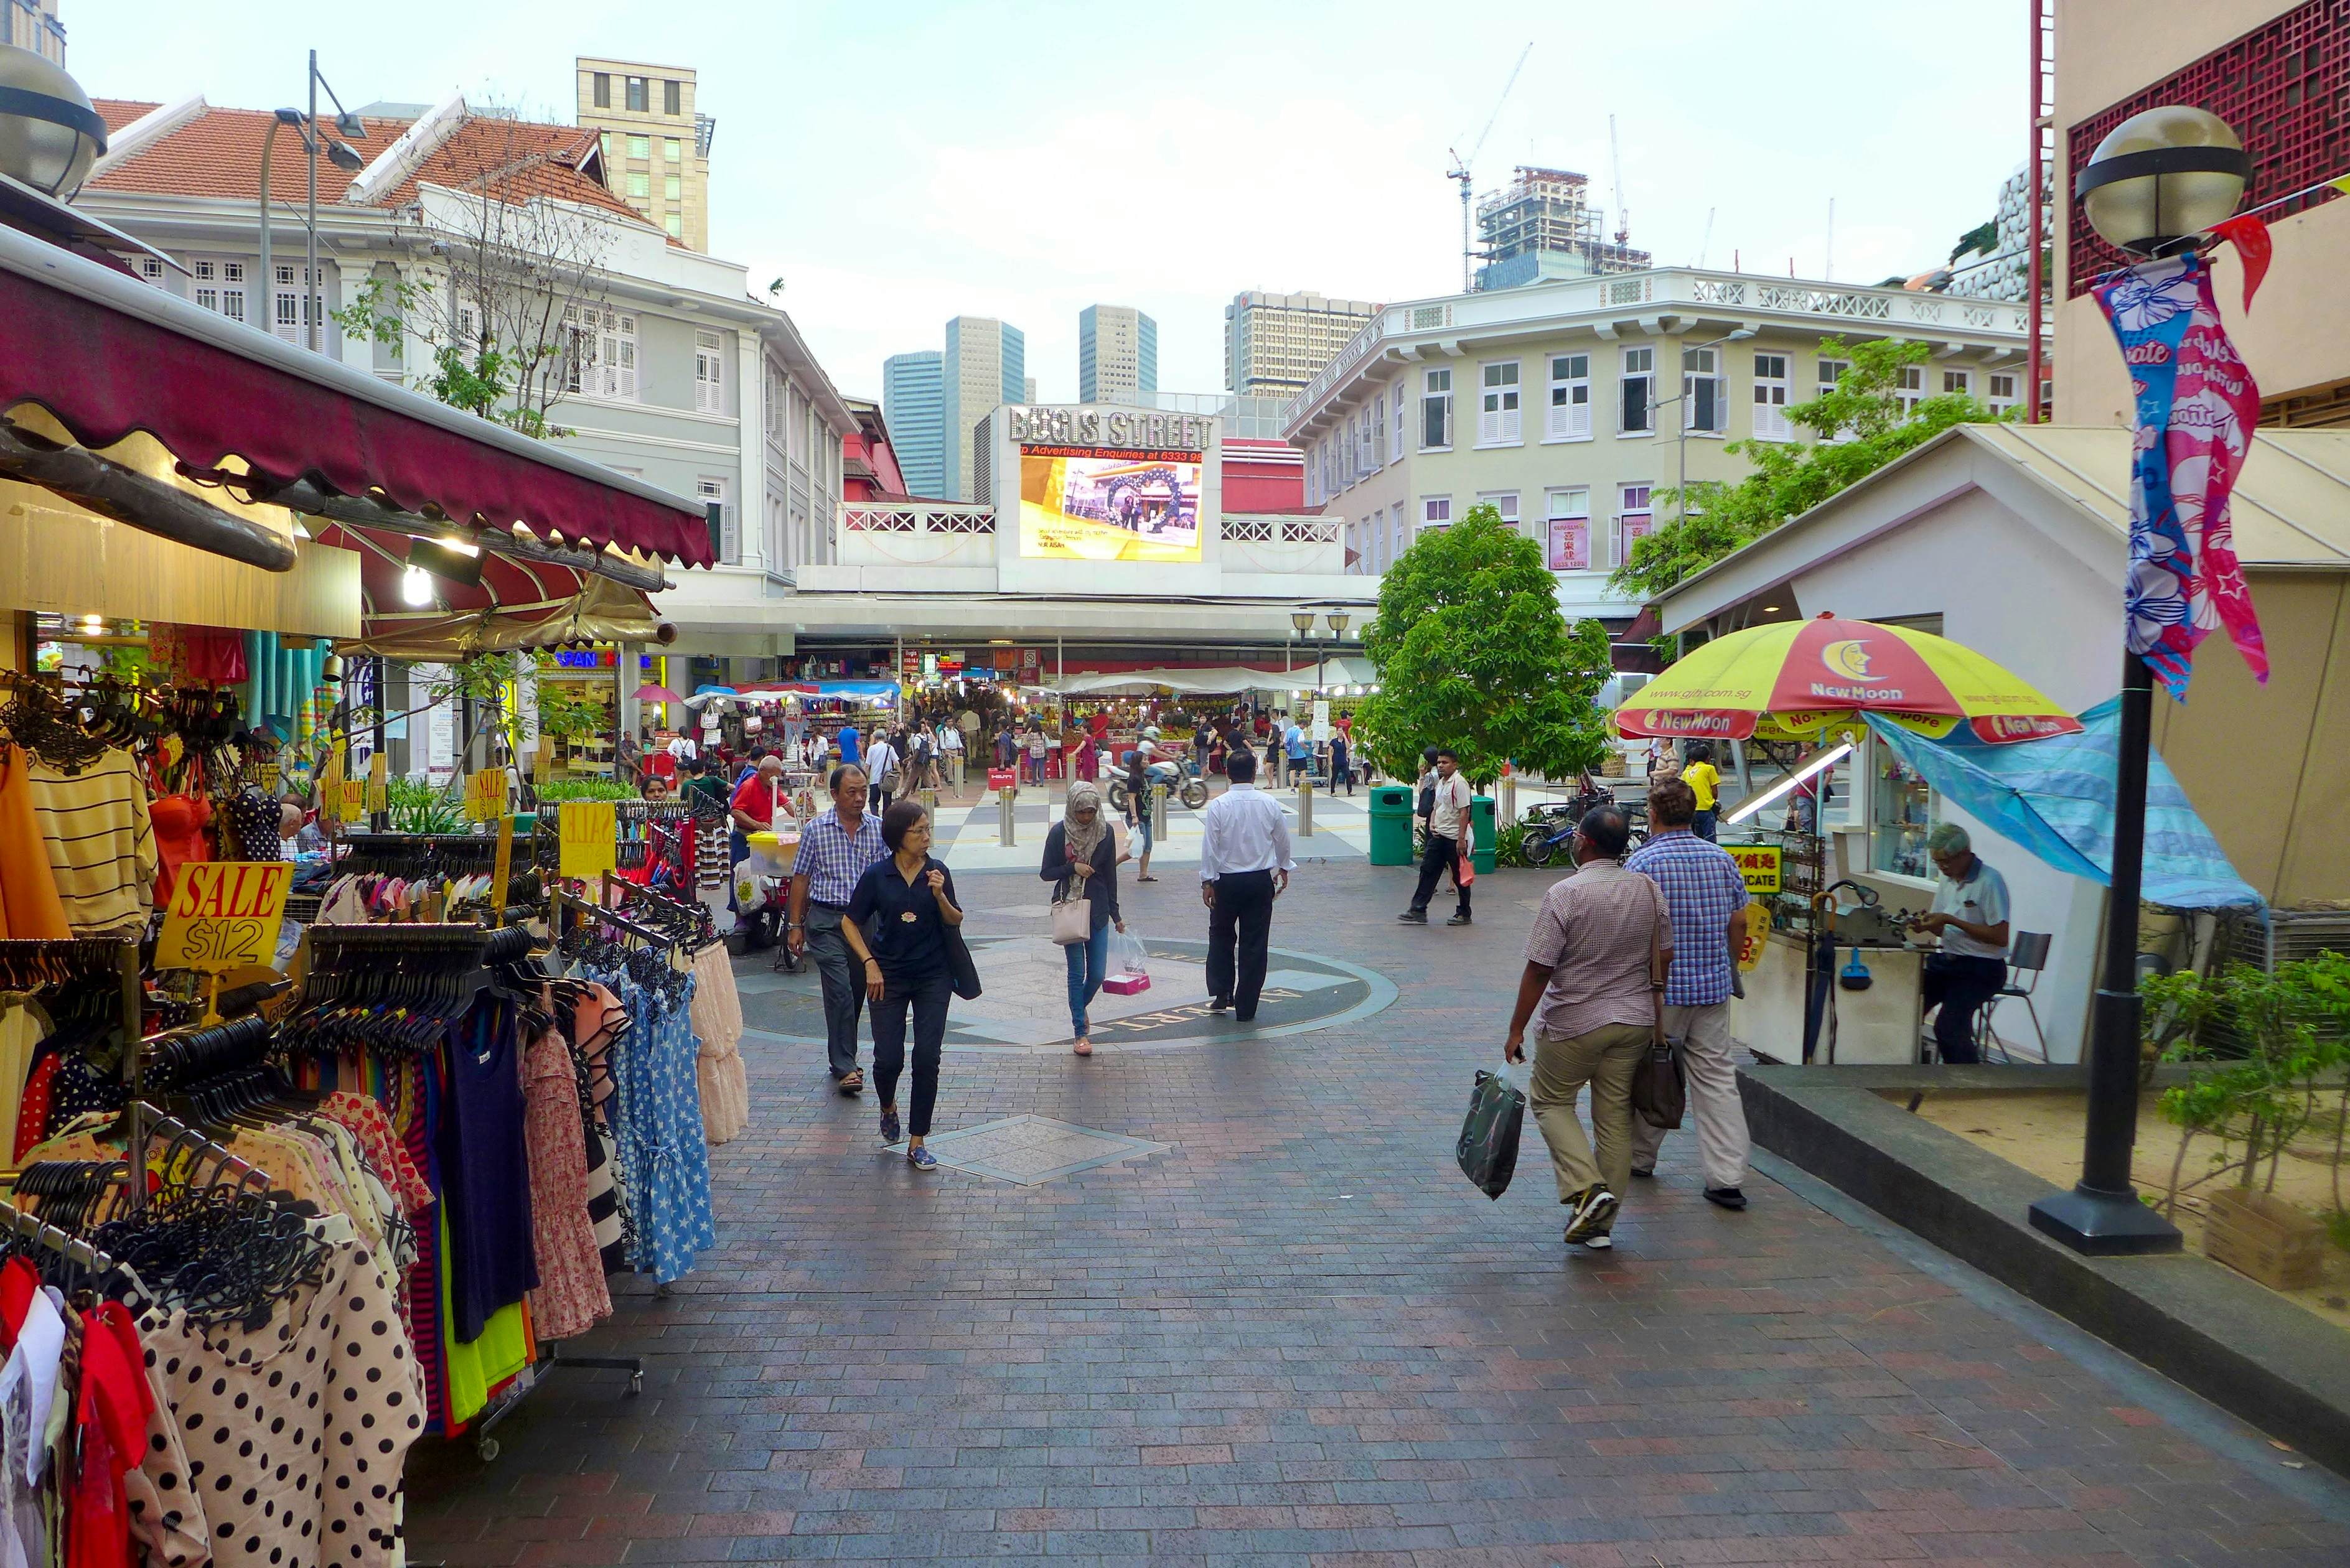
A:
(1073, 919)
(1659, 1087)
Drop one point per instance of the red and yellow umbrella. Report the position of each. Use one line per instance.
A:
(1797, 679)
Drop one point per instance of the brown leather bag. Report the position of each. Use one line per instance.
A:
(1660, 1086)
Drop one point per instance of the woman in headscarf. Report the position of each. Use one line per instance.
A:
(1081, 861)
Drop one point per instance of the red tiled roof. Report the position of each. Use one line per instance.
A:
(217, 153)
(119, 112)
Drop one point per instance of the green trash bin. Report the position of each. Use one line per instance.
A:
(1481, 816)
(1391, 824)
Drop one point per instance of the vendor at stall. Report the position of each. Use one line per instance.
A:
(1969, 915)
(759, 806)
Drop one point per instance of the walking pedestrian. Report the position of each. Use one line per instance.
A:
(1592, 964)
(1703, 778)
(1204, 740)
(836, 848)
(1035, 745)
(951, 744)
(1081, 861)
(847, 741)
(1139, 815)
(1449, 825)
(1244, 866)
(907, 901)
(885, 765)
(1293, 741)
(1706, 896)
(1342, 764)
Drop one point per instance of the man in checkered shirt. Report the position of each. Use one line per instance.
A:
(833, 851)
(1706, 896)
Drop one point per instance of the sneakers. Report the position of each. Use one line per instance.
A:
(1413, 917)
(1728, 1197)
(921, 1158)
(1600, 1243)
(1595, 1211)
(1648, 1175)
(890, 1130)
(1461, 919)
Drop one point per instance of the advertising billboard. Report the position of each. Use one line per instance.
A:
(1109, 504)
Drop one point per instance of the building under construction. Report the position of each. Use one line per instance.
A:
(1543, 226)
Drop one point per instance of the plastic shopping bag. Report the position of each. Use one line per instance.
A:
(1130, 965)
(1487, 1151)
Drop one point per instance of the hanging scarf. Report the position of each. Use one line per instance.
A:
(1083, 838)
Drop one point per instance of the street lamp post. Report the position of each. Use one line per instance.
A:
(2152, 188)
(343, 157)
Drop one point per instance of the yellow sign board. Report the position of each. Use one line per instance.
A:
(486, 794)
(591, 838)
(502, 874)
(1758, 863)
(378, 789)
(350, 800)
(223, 914)
(1754, 935)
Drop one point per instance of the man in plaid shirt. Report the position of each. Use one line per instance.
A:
(834, 849)
(1705, 895)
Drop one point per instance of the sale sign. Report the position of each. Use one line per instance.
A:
(223, 914)
(591, 838)
(486, 794)
(1758, 863)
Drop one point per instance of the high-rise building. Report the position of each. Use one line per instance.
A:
(1276, 343)
(32, 25)
(1118, 354)
(1542, 224)
(656, 141)
(985, 365)
(913, 395)
(1028, 389)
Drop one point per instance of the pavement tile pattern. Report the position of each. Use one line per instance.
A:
(1297, 1339)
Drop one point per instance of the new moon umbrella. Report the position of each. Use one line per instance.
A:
(1796, 680)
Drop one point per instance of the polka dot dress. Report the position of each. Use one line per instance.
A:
(294, 1435)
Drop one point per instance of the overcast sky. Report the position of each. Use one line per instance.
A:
(901, 163)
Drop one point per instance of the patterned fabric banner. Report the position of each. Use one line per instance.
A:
(2197, 406)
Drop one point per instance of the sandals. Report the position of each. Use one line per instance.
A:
(1084, 1047)
(1146, 878)
(851, 1081)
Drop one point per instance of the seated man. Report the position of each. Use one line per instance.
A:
(1970, 914)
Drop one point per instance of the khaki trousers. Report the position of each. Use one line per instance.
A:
(1722, 1143)
(1602, 1058)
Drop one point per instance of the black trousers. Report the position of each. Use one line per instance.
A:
(1238, 926)
(841, 977)
(1441, 854)
(926, 996)
(1961, 983)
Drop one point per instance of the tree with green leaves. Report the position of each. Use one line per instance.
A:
(1473, 653)
(1862, 427)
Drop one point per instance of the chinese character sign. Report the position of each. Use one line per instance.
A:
(2196, 407)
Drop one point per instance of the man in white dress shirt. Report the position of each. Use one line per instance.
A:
(1244, 865)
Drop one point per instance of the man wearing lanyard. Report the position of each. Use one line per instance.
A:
(1244, 865)
(834, 849)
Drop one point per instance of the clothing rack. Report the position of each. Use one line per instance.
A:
(52, 962)
(64, 1243)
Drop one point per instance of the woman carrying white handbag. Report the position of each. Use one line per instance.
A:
(1081, 859)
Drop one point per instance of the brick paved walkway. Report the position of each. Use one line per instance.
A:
(1299, 1337)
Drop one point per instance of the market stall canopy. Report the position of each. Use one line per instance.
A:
(108, 355)
(514, 605)
(1224, 680)
(2056, 798)
(651, 693)
(1798, 680)
(865, 690)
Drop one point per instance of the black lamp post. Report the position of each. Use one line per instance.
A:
(2151, 188)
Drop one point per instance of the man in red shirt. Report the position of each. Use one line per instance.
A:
(754, 810)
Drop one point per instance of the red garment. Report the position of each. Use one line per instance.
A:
(33, 1111)
(660, 765)
(19, 1284)
(111, 1418)
(180, 822)
(755, 799)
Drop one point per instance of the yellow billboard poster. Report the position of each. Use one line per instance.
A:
(1108, 503)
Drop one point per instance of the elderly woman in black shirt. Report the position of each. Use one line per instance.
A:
(896, 926)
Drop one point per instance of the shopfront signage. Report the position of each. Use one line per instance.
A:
(223, 914)
(1126, 428)
(591, 838)
(1758, 863)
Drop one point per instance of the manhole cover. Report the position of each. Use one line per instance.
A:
(1031, 1150)
(1024, 1002)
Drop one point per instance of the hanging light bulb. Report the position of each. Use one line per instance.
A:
(415, 588)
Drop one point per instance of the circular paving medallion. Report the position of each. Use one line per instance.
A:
(1024, 1006)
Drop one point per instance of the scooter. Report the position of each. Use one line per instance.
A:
(1181, 776)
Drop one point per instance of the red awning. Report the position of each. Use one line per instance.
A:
(517, 604)
(109, 354)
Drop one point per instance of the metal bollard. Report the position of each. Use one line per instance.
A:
(1003, 805)
(1305, 808)
(930, 798)
(1505, 802)
(1158, 812)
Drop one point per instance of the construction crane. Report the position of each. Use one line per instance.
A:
(1623, 211)
(1460, 170)
(1706, 243)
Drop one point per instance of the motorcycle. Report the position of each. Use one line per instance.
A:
(1181, 777)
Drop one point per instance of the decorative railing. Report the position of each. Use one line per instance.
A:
(1249, 530)
(1309, 530)
(918, 517)
(1862, 304)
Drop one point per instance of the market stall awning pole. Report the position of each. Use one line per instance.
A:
(132, 498)
(305, 497)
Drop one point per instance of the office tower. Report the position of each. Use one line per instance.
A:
(1118, 354)
(1276, 343)
(985, 366)
(911, 404)
(655, 143)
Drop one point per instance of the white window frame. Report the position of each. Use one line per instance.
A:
(1374, 449)
(1504, 502)
(1637, 368)
(1567, 416)
(1501, 403)
(1827, 373)
(1398, 530)
(1909, 388)
(1400, 431)
(1436, 400)
(1435, 512)
(603, 360)
(1774, 387)
(1567, 504)
(1634, 504)
(1962, 382)
(287, 318)
(2001, 401)
(1703, 383)
(709, 372)
(712, 490)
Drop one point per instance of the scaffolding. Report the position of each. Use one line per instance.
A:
(1548, 213)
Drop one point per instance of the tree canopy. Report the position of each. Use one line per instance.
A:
(1473, 653)
(1869, 429)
